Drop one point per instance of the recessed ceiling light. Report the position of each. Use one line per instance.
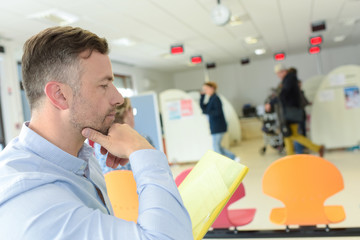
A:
(166, 55)
(260, 51)
(349, 21)
(127, 42)
(251, 40)
(235, 21)
(55, 16)
(339, 38)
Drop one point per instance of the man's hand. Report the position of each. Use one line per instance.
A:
(120, 142)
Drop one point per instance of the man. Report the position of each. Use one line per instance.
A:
(290, 98)
(51, 184)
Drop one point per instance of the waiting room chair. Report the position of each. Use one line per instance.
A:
(121, 187)
(303, 183)
(228, 217)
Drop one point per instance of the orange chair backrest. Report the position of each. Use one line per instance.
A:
(303, 183)
(121, 188)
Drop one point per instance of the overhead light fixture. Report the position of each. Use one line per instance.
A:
(314, 49)
(317, 40)
(260, 51)
(55, 16)
(127, 42)
(177, 49)
(339, 38)
(166, 55)
(235, 21)
(349, 21)
(251, 40)
(196, 59)
(279, 56)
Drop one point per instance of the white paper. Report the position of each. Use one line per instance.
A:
(326, 96)
(337, 80)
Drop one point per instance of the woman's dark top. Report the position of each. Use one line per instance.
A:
(216, 115)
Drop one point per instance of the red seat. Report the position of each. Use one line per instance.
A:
(234, 217)
(180, 178)
(228, 217)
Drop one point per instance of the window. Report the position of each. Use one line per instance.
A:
(124, 85)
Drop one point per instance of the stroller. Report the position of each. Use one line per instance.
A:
(271, 132)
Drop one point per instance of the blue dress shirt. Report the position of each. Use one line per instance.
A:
(46, 193)
(102, 161)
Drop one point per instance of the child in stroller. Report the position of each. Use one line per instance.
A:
(271, 129)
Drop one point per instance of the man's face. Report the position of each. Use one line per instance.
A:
(94, 105)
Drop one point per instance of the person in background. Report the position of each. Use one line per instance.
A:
(52, 186)
(123, 115)
(290, 96)
(218, 127)
(303, 103)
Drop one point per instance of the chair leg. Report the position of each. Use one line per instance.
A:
(327, 228)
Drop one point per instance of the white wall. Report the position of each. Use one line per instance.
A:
(251, 83)
(144, 79)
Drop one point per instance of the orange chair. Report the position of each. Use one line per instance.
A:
(121, 188)
(303, 183)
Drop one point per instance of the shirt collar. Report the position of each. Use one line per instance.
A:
(48, 151)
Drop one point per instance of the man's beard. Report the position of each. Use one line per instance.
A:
(79, 122)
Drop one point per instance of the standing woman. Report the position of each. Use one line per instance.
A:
(218, 126)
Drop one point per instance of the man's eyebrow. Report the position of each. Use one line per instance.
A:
(107, 78)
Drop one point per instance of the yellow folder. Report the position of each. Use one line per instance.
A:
(207, 189)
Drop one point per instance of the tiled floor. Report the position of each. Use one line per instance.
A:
(347, 162)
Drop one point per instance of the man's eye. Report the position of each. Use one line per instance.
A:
(104, 86)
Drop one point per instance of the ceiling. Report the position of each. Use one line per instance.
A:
(155, 25)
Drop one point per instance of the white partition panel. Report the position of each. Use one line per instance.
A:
(186, 129)
(311, 86)
(336, 109)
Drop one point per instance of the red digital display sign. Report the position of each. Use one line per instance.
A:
(314, 49)
(316, 40)
(178, 49)
(279, 56)
(196, 59)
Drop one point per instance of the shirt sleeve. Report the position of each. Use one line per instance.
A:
(53, 211)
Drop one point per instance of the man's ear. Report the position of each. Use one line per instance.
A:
(58, 94)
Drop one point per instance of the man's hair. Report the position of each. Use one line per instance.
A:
(292, 70)
(121, 109)
(212, 85)
(54, 55)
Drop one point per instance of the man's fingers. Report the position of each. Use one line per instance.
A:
(110, 161)
(123, 161)
(103, 150)
(113, 161)
(95, 136)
